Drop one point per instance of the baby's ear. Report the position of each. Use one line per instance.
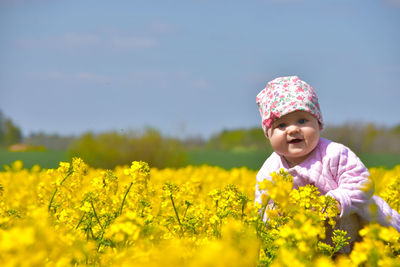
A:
(268, 133)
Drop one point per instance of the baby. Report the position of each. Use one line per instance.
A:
(292, 121)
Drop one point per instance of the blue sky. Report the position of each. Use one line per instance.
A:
(192, 67)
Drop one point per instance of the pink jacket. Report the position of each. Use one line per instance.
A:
(336, 171)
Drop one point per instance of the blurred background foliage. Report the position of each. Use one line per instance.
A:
(9, 133)
(107, 150)
(375, 145)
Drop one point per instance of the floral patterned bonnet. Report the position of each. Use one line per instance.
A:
(284, 95)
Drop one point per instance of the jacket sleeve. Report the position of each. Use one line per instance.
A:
(261, 175)
(269, 166)
(354, 186)
(384, 214)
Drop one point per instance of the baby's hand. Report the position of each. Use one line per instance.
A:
(339, 207)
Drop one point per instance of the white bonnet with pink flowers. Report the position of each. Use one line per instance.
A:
(284, 95)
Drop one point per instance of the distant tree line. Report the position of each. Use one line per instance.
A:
(365, 138)
(50, 141)
(9, 132)
(359, 137)
(112, 148)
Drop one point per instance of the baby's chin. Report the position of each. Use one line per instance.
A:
(297, 156)
(298, 151)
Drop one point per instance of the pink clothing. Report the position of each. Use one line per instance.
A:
(336, 171)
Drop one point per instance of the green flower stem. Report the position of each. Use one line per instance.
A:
(176, 213)
(261, 216)
(123, 200)
(184, 214)
(263, 209)
(87, 234)
(81, 220)
(55, 191)
(95, 215)
(91, 232)
(226, 200)
(243, 206)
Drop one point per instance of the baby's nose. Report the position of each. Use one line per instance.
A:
(291, 129)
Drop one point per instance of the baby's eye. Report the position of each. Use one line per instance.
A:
(302, 121)
(281, 125)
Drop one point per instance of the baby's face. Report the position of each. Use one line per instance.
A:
(294, 136)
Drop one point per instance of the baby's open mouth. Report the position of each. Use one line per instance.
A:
(295, 141)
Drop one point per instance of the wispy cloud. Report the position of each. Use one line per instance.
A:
(148, 37)
(142, 79)
(200, 84)
(67, 40)
(127, 42)
(79, 39)
(91, 77)
(73, 40)
(169, 79)
(70, 77)
(161, 28)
